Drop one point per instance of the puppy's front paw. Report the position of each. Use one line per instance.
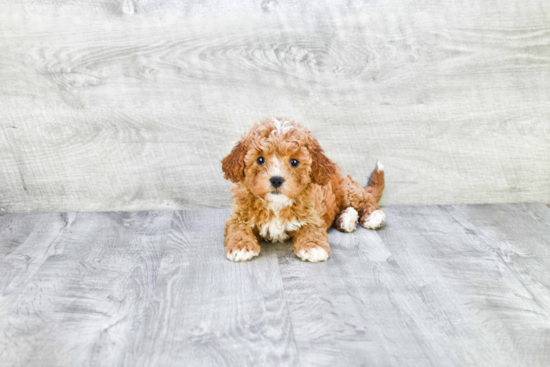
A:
(375, 220)
(242, 250)
(241, 255)
(314, 251)
(314, 254)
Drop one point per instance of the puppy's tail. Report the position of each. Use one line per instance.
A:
(376, 182)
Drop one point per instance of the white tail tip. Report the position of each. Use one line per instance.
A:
(379, 166)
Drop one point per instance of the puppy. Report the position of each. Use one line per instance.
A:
(286, 188)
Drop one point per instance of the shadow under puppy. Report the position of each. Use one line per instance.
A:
(285, 187)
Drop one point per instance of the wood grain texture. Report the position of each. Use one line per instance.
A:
(491, 316)
(427, 290)
(133, 106)
(356, 309)
(208, 311)
(437, 286)
(75, 289)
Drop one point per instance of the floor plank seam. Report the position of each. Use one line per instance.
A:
(288, 310)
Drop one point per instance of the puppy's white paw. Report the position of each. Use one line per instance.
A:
(375, 220)
(347, 221)
(241, 255)
(314, 254)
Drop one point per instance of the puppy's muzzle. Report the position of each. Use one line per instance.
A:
(276, 181)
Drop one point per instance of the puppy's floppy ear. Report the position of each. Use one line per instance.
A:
(233, 164)
(322, 168)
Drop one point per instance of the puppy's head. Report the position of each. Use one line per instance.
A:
(278, 159)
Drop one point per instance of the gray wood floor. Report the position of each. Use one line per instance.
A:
(438, 286)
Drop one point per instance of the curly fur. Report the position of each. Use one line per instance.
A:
(312, 198)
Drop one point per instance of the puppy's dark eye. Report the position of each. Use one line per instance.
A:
(294, 162)
(260, 160)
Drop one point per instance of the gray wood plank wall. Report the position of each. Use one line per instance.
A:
(128, 105)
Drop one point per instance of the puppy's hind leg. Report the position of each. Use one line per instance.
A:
(365, 200)
(347, 220)
(373, 217)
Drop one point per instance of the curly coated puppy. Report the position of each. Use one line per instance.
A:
(286, 188)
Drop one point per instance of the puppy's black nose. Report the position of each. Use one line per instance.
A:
(276, 181)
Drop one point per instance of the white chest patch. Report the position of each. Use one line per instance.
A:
(276, 229)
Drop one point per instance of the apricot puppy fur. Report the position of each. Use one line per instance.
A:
(286, 188)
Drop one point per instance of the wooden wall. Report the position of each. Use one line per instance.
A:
(130, 105)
